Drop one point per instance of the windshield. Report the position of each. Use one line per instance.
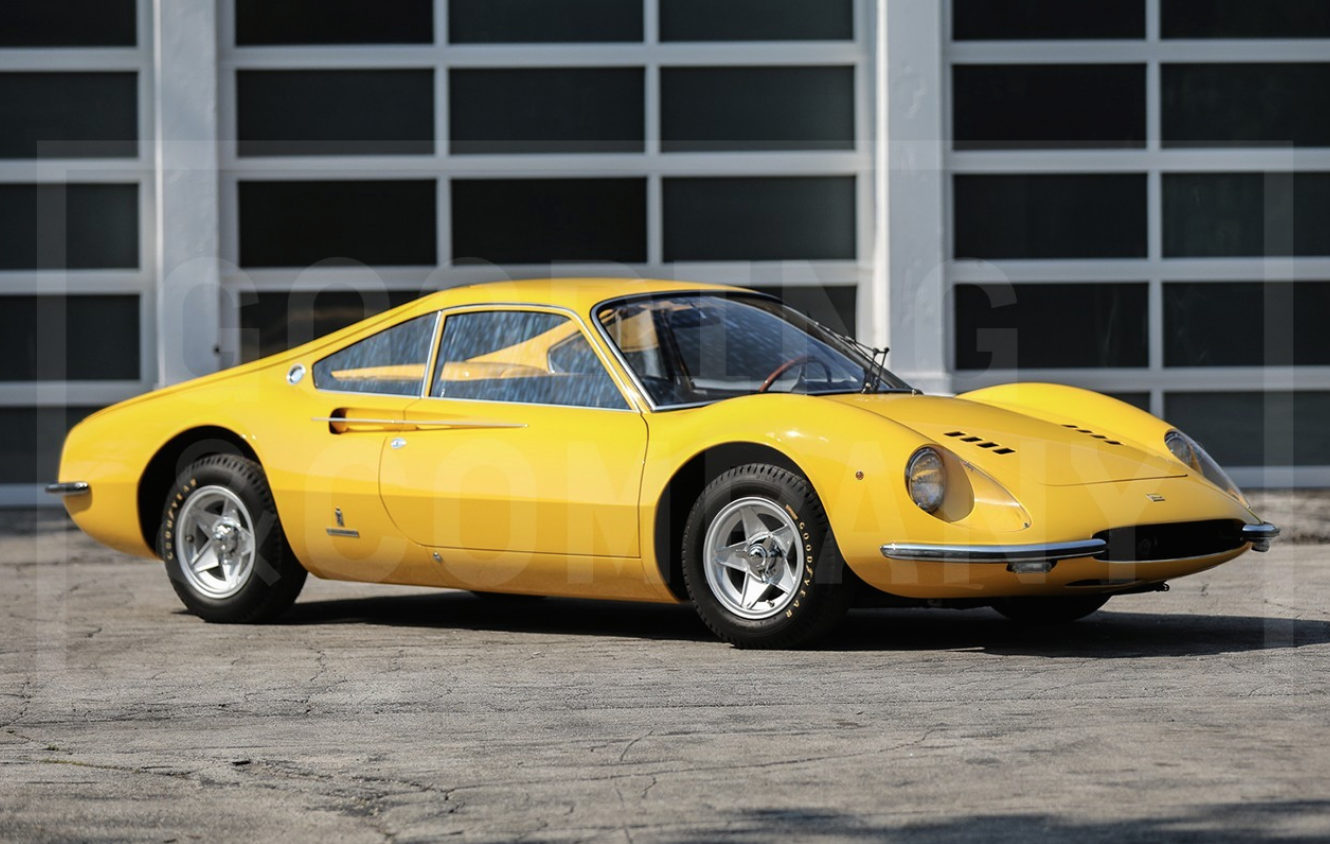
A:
(698, 348)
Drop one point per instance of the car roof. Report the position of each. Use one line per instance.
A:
(578, 294)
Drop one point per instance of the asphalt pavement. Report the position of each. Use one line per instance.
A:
(379, 713)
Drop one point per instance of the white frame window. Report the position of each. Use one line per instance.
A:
(141, 282)
(1155, 162)
(651, 164)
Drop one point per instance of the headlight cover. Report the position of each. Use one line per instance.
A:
(1189, 452)
(926, 478)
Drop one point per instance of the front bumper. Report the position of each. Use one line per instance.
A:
(1004, 554)
(1260, 535)
(69, 488)
(1041, 556)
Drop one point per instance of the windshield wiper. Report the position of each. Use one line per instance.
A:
(875, 376)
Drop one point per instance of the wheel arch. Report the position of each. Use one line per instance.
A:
(171, 459)
(683, 488)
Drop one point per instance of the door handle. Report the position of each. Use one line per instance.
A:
(343, 421)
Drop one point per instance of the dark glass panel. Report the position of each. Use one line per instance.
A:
(756, 108)
(274, 322)
(296, 224)
(77, 226)
(756, 20)
(75, 338)
(1021, 20)
(1050, 216)
(389, 363)
(30, 442)
(335, 112)
(760, 219)
(834, 307)
(68, 23)
(262, 22)
(1048, 106)
(1221, 215)
(1244, 19)
(69, 115)
(1255, 429)
(575, 376)
(543, 21)
(536, 221)
(1282, 323)
(549, 110)
(1229, 104)
(1051, 326)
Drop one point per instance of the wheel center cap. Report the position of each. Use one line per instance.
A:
(226, 537)
(760, 559)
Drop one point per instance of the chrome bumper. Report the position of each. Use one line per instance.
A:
(1003, 554)
(1031, 556)
(69, 488)
(1259, 535)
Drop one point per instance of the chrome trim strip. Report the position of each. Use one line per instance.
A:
(350, 534)
(69, 488)
(418, 424)
(432, 359)
(1042, 552)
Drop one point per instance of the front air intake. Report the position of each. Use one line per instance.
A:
(1178, 541)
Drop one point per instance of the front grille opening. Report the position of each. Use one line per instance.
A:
(1145, 543)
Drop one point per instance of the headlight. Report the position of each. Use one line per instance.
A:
(1188, 451)
(926, 478)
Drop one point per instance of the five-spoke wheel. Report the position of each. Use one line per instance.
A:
(216, 542)
(753, 558)
(759, 559)
(223, 544)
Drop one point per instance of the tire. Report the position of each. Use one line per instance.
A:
(1049, 610)
(760, 562)
(220, 516)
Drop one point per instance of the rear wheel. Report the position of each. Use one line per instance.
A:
(1049, 610)
(760, 561)
(223, 544)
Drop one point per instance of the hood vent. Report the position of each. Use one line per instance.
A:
(1078, 429)
(980, 442)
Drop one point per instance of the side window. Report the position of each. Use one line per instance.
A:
(390, 363)
(521, 356)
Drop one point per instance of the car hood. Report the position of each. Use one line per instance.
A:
(1014, 447)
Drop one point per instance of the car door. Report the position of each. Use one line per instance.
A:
(356, 401)
(525, 461)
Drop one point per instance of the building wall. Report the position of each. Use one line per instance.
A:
(1129, 195)
(1139, 196)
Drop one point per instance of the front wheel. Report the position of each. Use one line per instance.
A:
(1049, 610)
(223, 545)
(760, 561)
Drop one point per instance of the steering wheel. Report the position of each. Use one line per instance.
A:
(797, 360)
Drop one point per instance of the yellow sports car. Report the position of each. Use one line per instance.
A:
(644, 441)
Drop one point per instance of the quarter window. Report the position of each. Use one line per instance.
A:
(391, 363)
(526, 357)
